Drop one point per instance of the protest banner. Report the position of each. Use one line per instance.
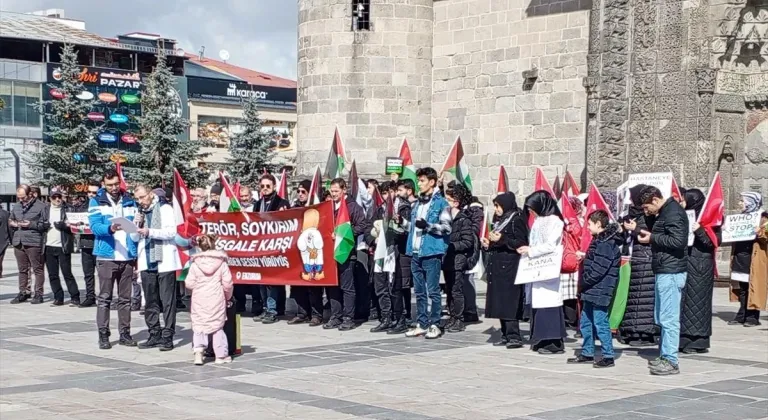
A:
(289, 247)
(691, 220)
(78, 223)
(543, 267)
(740, 227)
(661, 180)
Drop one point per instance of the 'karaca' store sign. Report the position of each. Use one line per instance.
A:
(229, 92)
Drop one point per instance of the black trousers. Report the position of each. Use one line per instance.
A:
(342, 297)
(309, 301)
(88, 261)
(454, 288)
(746, 316)
(407, 302)
(241, 291)
(55, 259)
(571, 312)
(389, 291)
(111, 273)
(470, 299)
(160, 296)
(511, 329)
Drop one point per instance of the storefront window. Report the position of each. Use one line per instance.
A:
(219, 131)
(18, 98)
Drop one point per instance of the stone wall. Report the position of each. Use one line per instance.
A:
(375, 86)
(481, 49)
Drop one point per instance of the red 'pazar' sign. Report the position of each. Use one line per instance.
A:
(288, 247)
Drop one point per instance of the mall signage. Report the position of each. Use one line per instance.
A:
(100, 76)
(229, 92)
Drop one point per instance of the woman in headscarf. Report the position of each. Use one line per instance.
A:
(696, 304)
(504, 299)
(638, 327)
(547, 321)
(749, 268)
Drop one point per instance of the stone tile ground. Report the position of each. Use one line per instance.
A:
(50, 366)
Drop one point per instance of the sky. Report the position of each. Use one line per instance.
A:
(258, 34)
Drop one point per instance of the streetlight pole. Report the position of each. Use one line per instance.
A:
(17, 164)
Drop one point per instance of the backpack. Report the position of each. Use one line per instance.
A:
(570, 247)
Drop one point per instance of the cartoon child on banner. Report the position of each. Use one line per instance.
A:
(310, 245)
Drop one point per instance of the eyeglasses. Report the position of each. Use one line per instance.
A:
(301, 191)
(265, 186)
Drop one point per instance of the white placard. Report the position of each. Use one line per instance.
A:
(740, 227)
(544, 267)
(691, 220)
(126, 225)
(660, 180)
(623, 200)
(77, 218)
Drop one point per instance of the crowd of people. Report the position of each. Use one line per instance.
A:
(438, 230)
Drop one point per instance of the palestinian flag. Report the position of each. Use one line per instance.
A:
(236, 189)
(120, 176)
(620, 296)
(357, 190)
(378, 200)
(336, 159)
(314, 189)
(676, 194)
(456, 164)
(557, 187)
(570, 188)
(409, 169)
(487, 226)
(595, 201)
(503, 185)
(282, 185)
(345, 238)
(186, 224)
(228, 198)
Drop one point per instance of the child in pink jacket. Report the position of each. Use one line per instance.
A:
(211, 282)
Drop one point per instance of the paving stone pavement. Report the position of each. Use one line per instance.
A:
(50, 365)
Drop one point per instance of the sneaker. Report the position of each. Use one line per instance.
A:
(297, 320)
(57, 303)
(503, 341)
(514, 344)
(332, 324)
(655, 362)
(20, 298)
(223, 360)
(74, 302)
(269, 319)
(316, 321)
(258, 317)
(38, 299)
(580, 359)
(198, 358)
(665, 368)
(433, 332)
(735, 322)
(347, 325)
(154, 340)
(416, 332)
(456, 326)
(605, 362)
(752, 324)
(87, 303)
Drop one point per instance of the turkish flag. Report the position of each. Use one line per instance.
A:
(540, 183)
(676, 194)
(595, 202)
(714, 209)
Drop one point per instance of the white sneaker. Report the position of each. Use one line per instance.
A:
(416, 332)
(223, 360)
(433, 332)
(198, 358)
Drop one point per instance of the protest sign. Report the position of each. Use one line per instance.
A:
(691, 220)
(289, 247)
(740, 227)
(623, 200)
(543, 267)
(393, 165)
(660, 180)
(79, 223)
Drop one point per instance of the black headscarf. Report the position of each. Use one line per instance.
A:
(507, 202)
(543, 204)
(694, 200)
(636, 209)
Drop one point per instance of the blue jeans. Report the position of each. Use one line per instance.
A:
(426, 284)
(269, 296)
(597, 316)
(669, 289)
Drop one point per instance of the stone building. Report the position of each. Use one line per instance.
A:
(602, 87)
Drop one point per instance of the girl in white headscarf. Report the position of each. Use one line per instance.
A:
(747, 286)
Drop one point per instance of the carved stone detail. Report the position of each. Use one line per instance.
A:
(729, 103)
(705, 80)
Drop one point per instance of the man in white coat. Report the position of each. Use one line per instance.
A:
(157, 262)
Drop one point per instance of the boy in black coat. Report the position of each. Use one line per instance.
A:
(598, 282)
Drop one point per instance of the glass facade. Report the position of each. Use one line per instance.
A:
(18, 98)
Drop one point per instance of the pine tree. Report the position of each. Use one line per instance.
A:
(250, 153)
(161, 149)
(73, 154)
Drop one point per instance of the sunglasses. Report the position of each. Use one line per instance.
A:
(301, 191)
(263, 186)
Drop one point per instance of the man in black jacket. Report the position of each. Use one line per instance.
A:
(59, 246)
(345, 291)
(87, 260)
(669, 243)
(29, 222)
(309, 299)
(272, 296)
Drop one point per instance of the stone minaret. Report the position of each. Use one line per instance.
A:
(374, 84)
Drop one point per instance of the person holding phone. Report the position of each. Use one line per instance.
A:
(29, 221)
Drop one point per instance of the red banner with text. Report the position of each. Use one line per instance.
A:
(288, 247)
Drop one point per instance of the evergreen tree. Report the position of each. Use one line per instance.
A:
(250, 153)
(73, 153)
(161, 149)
